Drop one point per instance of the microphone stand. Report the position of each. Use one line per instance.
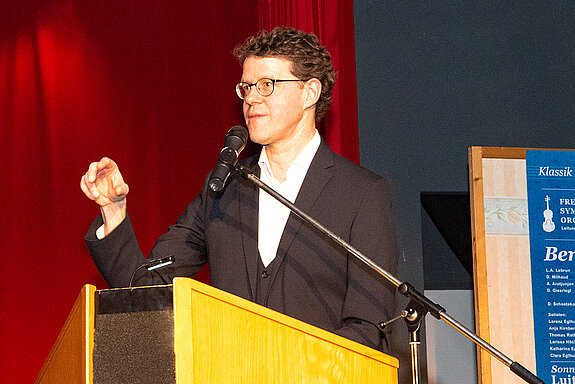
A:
(419, 304)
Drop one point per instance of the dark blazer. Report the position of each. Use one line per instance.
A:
(313, 279)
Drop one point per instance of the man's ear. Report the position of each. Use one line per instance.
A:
(313, 87)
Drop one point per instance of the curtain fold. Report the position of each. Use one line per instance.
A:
(148, 83)
(332, 22)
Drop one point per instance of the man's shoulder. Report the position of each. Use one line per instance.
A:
(352, 170)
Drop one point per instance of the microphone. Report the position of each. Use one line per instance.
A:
(153, 264)
(234, 143)
(159, 263)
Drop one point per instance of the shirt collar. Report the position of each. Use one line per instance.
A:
(302, 161)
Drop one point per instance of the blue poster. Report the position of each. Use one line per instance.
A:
(551, 205)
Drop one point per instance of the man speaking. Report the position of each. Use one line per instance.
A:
(254, 247)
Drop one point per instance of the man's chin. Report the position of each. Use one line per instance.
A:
(259, 142)
(255, 138)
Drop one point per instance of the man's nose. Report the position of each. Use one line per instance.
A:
(253, 96)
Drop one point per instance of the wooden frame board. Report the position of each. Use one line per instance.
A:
(501, 259)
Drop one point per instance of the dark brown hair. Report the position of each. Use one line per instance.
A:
(309, 59)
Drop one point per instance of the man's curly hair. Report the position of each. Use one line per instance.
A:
(309, 59)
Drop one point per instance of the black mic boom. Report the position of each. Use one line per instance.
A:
(235, 142)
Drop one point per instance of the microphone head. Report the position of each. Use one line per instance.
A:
(240, 132)
(236, 138)
(235, 142)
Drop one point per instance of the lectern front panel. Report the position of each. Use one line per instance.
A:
(134, 336)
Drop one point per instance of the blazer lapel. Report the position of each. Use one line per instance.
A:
(249, 201)
(317, 177)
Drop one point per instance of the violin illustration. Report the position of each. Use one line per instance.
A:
(548, 224)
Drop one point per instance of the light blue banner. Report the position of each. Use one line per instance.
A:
(551, 205)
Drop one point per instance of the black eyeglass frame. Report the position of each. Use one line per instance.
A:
(274, 81)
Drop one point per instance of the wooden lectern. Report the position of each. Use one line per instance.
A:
(189, 332)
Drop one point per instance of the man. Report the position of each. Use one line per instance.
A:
(254, 247)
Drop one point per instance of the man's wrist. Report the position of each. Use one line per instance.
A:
(113, 215)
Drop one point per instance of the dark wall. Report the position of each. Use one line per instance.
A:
(437, 77)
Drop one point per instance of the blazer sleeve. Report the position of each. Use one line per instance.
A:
(370, 298)
(117, 255)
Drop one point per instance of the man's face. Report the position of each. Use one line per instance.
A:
(273, 120)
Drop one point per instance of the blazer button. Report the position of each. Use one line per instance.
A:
(265, 274)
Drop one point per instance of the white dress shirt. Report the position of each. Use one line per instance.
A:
(273, 215)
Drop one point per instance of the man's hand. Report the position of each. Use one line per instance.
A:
(103, 183)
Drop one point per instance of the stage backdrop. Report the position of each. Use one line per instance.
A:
(149, 83)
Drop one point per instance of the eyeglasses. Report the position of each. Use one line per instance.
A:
(265, 87)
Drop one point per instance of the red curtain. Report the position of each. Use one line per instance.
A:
(332, 22)
(146, 82)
